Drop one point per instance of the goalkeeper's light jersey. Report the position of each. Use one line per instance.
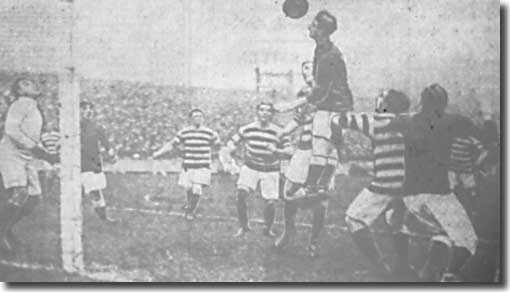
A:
(197, 146)
(256, 140)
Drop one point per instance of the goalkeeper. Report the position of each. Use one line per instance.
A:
(19, 147)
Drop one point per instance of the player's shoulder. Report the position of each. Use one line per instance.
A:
(209, 131)
(185, 130)
(247, 126)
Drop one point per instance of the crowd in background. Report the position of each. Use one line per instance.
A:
(139, 117)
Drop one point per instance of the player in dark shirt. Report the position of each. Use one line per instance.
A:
(93, 178)
(427, 194)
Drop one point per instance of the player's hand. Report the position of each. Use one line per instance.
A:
(271, 147)
(282, 107)
(305, 91)
(40, 152)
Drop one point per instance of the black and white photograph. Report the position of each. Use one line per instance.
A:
(251, 141)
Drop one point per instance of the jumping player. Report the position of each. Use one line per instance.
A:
(264, 151)
(197, 143)
(331, 95)
(93, 178)
(297, 172)
(19, 146)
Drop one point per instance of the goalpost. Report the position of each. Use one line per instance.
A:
(71, 219)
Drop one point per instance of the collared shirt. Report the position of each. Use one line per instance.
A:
(92, 137)
(23, 125)
(332, 92)
(256, 140)
(197, 146)
(388, 149)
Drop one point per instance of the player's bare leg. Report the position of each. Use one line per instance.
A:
(242, 212)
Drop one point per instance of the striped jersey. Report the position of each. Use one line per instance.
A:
(51, 141)
(464, 152)
(197, 146)
(304, 119)
(256, 140)
(388, 148)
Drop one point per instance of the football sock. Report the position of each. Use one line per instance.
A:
(460, 256)
(319, 216)
(269, 213)
(242, 208)
(193, 202)
(436, 261)
(29, 206)
(189, 194)
(401, 245)
(327, 174)
(365, 241)
(314, 173)
(289, 214)
(101, 212)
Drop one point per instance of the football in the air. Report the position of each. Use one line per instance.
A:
(295, 8)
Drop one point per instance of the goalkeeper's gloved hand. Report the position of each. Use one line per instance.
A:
(40, 152)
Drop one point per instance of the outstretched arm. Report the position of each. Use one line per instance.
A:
(166, 148)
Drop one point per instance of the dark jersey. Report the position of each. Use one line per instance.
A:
(332, 92)
(92, 137)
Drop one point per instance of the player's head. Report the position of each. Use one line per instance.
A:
(25, 86)
(197, 117)
(323, 25)
(265, 111)
(434, 100)
(87, 110)
(392, 101)
(307, 72)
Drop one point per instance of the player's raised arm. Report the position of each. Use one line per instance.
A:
(167, 147)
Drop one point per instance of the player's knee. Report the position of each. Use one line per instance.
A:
(318, 160)
(30, 204)
(242, 194)
(354, 225)
(442, 239)
(197, 189)
(19, 196)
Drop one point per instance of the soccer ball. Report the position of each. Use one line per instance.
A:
(295, 8)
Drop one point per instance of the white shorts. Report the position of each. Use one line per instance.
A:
(92, 181)
(440, 214)
(321, 126)
(18, 172)
(297, 170)
(366, 208)
(463, 180)
(249, 179)
(200, 176)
